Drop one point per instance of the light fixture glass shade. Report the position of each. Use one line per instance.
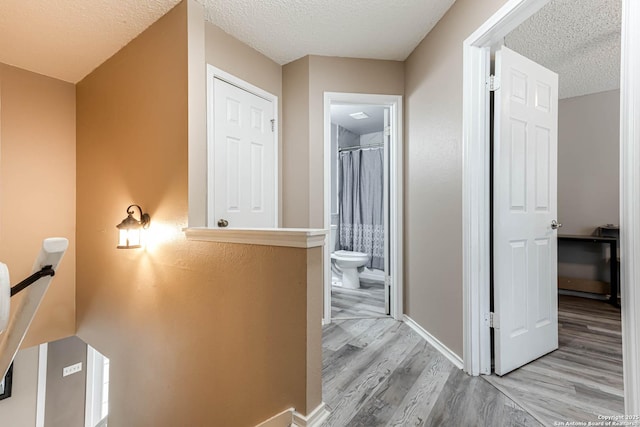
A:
(129, 239)
(131, 229)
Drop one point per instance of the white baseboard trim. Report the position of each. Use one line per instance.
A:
(314, 419)
(446, 351)
(283, 419)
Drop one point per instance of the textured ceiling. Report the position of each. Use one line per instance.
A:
(375, 122)
(578, 39)
(285, 30)
(67, 39)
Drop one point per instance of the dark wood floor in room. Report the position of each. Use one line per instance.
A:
(583, 378)
(366, 302)
(379, 372)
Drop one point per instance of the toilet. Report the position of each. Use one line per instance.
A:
(348, 262)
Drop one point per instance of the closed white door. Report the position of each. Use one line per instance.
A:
(244, 171)
(525, 208)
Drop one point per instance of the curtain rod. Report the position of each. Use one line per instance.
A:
(360, 147)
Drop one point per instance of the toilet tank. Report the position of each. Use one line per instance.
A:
(332, 241)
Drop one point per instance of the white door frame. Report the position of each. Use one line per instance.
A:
(41, 396)
(476, 179)
(216, 73)
(394, 102)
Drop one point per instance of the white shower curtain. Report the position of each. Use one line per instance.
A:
(361, 203)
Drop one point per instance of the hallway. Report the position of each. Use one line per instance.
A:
(379, 372)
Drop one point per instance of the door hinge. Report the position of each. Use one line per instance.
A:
(493, 320)
(387, 280)
(493, 83)
(387, 131)
(273, 125)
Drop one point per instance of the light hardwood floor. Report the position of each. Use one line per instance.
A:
(583, 378)
(379, 372)
(366, 302)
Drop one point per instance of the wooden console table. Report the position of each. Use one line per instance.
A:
(613, 264)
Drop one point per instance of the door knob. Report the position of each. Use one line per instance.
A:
(555, 224)
(223, 222)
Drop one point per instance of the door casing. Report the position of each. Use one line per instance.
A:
(476, 181)
(394, 102)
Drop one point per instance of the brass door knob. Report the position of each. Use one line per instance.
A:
(223, 222)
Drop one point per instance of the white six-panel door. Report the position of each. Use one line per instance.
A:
(243, 159)
(525, 205)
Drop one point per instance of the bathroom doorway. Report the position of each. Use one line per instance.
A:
(362, 210)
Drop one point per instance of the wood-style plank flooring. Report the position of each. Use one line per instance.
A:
(583, 378)
(366, 302)
(379, 372)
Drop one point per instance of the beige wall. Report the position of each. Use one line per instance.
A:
(433, 172)
(588, 180)
(295, 153)
(231, 55)
(314, 303)
(305, 82)
(65, 396)
(331, 74)
(20, 409)
(197, 333)
(588, 162)
(37, 189)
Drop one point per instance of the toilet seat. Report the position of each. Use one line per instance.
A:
(349, 262)
(350, 254)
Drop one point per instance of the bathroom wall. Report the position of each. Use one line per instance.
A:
(346, 138)
(38, 189)
(372, 138)
(197, 333)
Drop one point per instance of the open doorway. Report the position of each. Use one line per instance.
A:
(363, 206)
(359, 210)
(97, 392)
(555, 207)
(477, 342)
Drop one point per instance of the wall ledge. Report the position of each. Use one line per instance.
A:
(288, 237)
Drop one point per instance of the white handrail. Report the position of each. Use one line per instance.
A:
(26, 304)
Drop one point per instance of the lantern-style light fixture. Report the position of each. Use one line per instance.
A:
(130, 229)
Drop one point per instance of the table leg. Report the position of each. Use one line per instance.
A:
(613, 263)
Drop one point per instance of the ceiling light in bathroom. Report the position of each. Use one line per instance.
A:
(359, 115)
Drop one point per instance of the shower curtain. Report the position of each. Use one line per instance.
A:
(361, 203)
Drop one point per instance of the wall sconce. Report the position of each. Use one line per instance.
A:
(131, 229)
